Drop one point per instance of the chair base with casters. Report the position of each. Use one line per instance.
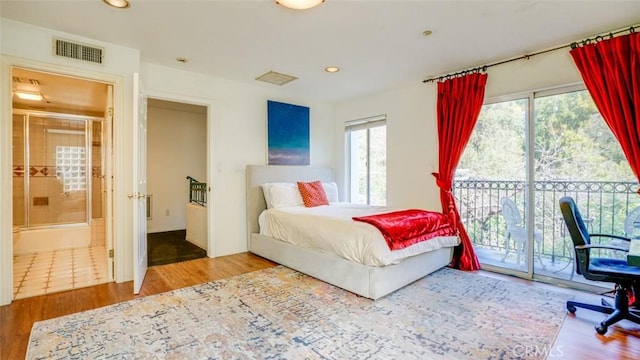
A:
(619, 310)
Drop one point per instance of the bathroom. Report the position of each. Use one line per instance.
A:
(60, 204)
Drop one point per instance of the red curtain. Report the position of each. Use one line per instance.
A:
(611, 72)
(459, 103)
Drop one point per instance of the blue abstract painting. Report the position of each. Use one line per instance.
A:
(288, 134)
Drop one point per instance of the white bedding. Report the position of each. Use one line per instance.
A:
(331, 228)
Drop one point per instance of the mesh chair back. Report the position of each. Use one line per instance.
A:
(577, 230)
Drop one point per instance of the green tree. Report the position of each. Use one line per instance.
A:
(571, 142)
(496, 149)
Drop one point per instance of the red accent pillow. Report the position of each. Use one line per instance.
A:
(313, 193)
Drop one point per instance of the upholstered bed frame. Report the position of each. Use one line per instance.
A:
(369, 281)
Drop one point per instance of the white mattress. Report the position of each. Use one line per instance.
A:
(331, 228)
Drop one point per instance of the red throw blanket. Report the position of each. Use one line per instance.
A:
(407, 227)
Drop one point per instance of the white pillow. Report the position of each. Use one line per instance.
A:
(266, 191)
(331, 190)
(281, 195)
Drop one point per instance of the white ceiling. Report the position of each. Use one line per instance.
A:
(378, 44)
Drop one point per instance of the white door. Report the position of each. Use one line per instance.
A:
(139, 196)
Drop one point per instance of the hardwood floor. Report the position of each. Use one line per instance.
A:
(17, 318)
(577, 338)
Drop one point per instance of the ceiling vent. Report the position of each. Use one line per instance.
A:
(78, 51)
(273, 77)
(19, 80)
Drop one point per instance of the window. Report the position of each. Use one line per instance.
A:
(366, 141)
(70, 167)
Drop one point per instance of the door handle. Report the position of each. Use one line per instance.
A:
(136, 195)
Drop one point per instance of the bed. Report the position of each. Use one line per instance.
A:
(370, 281)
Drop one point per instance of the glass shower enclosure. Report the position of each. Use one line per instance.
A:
(53, 163)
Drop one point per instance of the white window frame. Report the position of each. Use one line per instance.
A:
(355, 125)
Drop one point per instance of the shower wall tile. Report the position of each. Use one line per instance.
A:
(44, 183)
(18, 201)
(37, 149)
(18, 185)
(97, 232)
(18, 151)
(96, 194)
(18, 137)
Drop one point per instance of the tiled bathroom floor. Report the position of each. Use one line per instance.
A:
(48, 272)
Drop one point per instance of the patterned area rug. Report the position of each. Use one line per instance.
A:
(278, 313)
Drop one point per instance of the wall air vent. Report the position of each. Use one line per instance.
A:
(78, 51)
(273, 77)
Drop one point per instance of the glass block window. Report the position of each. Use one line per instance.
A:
(71, 167)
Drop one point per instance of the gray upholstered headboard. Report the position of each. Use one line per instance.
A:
(260, 174)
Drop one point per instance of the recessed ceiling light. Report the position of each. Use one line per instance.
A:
(427, 32)
(183, 60)
(332, 69)
(25, 95)
(120, 4)
(299, 4)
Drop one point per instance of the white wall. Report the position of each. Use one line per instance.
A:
(176, 148)
(412, 142)
(237, 131)
(31, 47)
(236, 134)
(412, 150)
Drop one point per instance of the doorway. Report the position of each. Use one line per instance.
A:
(176, 181)
(527, 151)
(61, 158)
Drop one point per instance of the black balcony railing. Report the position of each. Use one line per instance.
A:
(604, 206)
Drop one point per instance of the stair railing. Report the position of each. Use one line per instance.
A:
(197, 191)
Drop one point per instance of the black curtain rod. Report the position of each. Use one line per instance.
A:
(572, 45)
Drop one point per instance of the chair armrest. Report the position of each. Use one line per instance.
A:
(618, 237)
(607, 247)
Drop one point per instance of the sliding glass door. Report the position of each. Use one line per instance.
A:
(576, 155)
(491, 185)
(526, 153)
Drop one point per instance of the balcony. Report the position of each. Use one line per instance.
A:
(604, 206)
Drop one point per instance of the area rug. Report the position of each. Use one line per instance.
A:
(279, 313)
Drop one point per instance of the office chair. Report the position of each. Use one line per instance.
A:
(626, 278)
